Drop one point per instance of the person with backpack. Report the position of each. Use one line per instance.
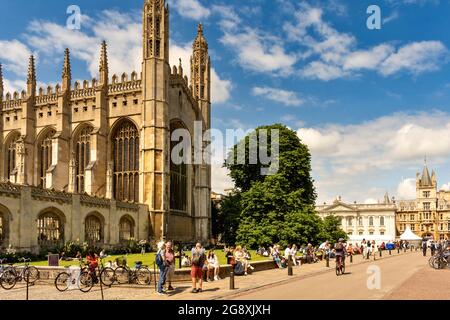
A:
(161, 263)
(198, 260)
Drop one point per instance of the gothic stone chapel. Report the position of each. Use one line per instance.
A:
(91, 161)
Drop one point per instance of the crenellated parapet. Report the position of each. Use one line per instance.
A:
(48, 95)
(125, 84)
(178, 78)
(13, 101)
(85, 90)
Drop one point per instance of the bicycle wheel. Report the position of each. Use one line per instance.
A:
(438, 263)
(343, 269)
(143, 276)
(32, 274)
(337, 270)
(431, 260)
(62, 281)
(86, 282)
(121, 275)
(107, 277)
(8, 279)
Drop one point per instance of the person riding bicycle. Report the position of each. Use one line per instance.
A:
(339, 249)
(92, 260)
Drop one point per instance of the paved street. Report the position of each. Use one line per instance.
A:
(404, 276)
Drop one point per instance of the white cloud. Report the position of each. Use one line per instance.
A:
(330, 54)
(288, 98)
(258, 52)
(13, 85)
(191, 9)
(445, 187)
(14, 56)
(349, 159)
(406, 189)
(417, 57)
(392, 17)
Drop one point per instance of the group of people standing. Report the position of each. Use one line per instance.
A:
(199, 261)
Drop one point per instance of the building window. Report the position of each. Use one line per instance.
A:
(413, 227)
(126, 162)
(360, 233)
(93, 230)
(3, 230)
(426, 206)
(45, 156)
(50, 230)
(350, 221)
(360, 221)
(426, 194)
(411, 217)
(442, 216)
(126, 229)
(371, 221)
(382, 233)
(381, 221)
(11, 157)
(350, 233)
(371, 233)
(83, 155)
(178, 179)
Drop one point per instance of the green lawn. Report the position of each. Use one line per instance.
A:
(147, 259)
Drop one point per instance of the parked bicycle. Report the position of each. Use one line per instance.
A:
(140, 274)
(440, 260)
(27, 273)
(7, 277)
(86, 279)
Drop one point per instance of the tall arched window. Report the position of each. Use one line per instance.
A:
(45, 156)
(371, 221)
(50, 229)
(93, 230)
(11, 163)
(3, 230)
(178, 178)
(350, 221)
(125, 142)
(126, 229)
(82, 156)
(381, 221)
(360, 221)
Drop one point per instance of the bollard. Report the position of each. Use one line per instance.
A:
(231, 280)
(100, 280)
(290, 273)
(390, 252)
(351, 258)
(328, 261)
(411, 248)
(380, 253)
(181, 258)
(398, 250)
(404, 249)
(368, 255)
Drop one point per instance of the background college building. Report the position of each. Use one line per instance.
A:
(91, 160)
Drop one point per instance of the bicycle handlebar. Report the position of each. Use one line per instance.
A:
(25, 259)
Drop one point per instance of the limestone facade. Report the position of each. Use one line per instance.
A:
(428, 214)
(363, 221)
(107, 140)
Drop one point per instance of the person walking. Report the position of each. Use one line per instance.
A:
(169, 256)
(432, 247)
(161, 263)
(293, 254)
(424, 247)
(198, 260)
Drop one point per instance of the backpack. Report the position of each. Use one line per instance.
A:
(239, 269)
(159, 260)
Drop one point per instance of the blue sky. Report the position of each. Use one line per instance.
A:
(370, 104)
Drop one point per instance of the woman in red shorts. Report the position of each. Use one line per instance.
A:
(198, 260)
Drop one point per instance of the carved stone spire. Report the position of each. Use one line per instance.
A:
(66, 74)
(156, 30)
(104, 65)
(31, 78)
(200, 67)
